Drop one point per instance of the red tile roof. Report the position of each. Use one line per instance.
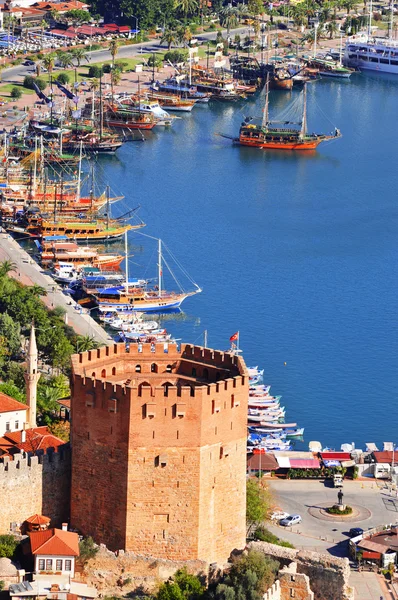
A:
(38, 520)
(38, 438)
(54, 542)
(263, 462)
(385, 456)
(8, 404)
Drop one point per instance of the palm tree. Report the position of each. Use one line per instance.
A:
(169, 37)
(348, 5)
(78, 54)
(37, 290)
(94, 84)
(228, 17)
(65, 59)
(332, 28)
(43, 26)
(84, 343)
(6, 267)
(38, 68)
(184, 35)
(113, 49)
(116, 76)
(187, 7)
(49, 61)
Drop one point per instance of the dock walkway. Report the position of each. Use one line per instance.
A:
(29, 272)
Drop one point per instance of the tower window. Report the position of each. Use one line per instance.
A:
(113, 370)
(8, 427)
(193, 372)
(138, 368)
(169, 369)
(103, 373)
(154, 368)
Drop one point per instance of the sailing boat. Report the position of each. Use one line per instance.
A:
(284, 137)
(133, 297)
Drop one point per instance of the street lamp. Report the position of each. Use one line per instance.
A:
(136, 24)
(316, 25)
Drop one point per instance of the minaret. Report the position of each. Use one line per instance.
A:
(32, 376)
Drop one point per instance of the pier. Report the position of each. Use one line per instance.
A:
(28, 272)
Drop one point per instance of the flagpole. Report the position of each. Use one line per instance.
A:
(237, 345)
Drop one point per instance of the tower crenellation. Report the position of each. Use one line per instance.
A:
(164, 429)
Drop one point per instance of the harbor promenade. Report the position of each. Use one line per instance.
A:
(28, 272)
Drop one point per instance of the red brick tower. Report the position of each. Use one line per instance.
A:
(159, 450)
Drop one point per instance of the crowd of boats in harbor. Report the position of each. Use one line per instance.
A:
(267, 429)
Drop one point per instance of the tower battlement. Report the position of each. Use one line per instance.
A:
(164, 428)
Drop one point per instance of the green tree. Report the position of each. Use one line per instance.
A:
(332, 28)
(63, 78)
(189, 585)
(79, 54)
(16, 93)
(49, 62)
(65, 59)
(258, 503)
(8, 545)
(249, 577)
(169, 591)
(87, 549)
(11, 330)
(348, 5)
(7, 266)
(2, 585)
(186, 7)
(229, 17)
(255, 7)
(113, 49)
(95, 72)
(10, 389)
(169, 37)
(85, 343)
(77, 15)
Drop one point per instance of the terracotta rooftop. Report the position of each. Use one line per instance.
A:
(38, 520)
(39, 438)
(61, 6)
(8, 404)
(265, 462)
(384, 457)
(54, 542)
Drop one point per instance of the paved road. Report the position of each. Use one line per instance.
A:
(28, 272)
(299, 496)
(16, 74)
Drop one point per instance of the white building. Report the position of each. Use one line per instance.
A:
(12, 415)
(54, 551)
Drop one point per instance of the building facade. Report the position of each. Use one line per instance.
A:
(12, 415)
(159, 450)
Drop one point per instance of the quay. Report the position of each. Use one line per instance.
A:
(30, 273)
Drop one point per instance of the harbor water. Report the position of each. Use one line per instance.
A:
(296, 251)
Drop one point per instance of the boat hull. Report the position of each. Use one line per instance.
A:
(254, 143)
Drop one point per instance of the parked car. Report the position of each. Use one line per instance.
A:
(290, 521)
(355, 531)
(278, 515)
(29, 63)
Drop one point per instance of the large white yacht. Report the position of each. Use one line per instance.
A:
(364, 51)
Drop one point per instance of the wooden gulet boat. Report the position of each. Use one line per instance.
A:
(270, 137)
(54, 251)
(143, 299)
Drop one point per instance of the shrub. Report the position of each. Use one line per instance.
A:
(95, 71)
(121, 65)
(8, 545)
(16, 93)
(334, 510)
(107, 68)
(155, 61)
(88, 549)
(176, 56)
(29, 81)
(264, 535)
(63, 78)
(212, 27)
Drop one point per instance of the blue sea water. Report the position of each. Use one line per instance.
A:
(297, 252)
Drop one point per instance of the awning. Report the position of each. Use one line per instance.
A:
(335, 455)
(367, 554)
(283, 462)
(348, 463)
(300, 463)
(372, 546)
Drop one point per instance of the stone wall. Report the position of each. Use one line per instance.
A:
(35, 484)
(109, 571)
(328, 575)
(293, 584)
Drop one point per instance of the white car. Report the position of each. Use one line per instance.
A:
(278, 515)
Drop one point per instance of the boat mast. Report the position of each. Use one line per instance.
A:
(60, 141)
(107, 206)
(266, 107)
(35, 168)
(101, 108)
(370, 18)
(205, 338)
(391, 24)
(304, 120)
(127, 261)
(80, 172)
(160, 268)
(92, 186)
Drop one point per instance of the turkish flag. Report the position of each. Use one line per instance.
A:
(234, 337)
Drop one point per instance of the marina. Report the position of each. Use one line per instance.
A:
(232, 230)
